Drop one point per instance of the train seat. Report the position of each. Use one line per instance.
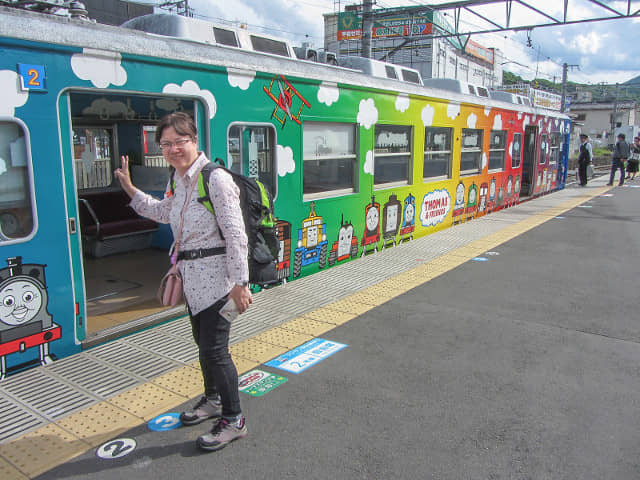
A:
(110, 226)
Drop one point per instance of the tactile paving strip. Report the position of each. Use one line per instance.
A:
(131, 359)
(307, 326)
(257, 351)
(145, 401)
(331, 316)
(283, 338)
(15, 419)
(185, 381)
(9, 472)
(175, 348)
(99, 423)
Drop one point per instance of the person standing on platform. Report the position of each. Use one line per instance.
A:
(213, 263)
(585, 157)
(634, 159)
(620, 155)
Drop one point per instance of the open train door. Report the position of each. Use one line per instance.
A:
(529, 161)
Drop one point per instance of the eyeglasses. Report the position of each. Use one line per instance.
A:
(178, 143)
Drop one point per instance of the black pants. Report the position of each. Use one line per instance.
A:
(211, 333)
(617, 164)
(582, 172)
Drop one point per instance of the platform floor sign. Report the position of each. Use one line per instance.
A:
(258, 382)
(120, 447)
(304, 356)
(167, 421)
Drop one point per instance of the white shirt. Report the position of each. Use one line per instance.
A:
(205, 280)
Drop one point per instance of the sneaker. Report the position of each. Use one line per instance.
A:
(202, 411)
(222, 433)
(609, 184)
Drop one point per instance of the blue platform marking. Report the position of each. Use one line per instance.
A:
(166, 421)
(304, 356)
(480, 259)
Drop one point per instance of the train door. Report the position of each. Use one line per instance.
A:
(251, 152)
(119, 257)
(527, 183)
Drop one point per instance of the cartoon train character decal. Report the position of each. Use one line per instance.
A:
(482, 198)
(516, 186)
(510, 197)
(491, 201)
(312, 243)
(390, 220)
(408, 218)
(472, 202)
(458, 206)
(372, 226)
(283, 232)
(346, 246)
(24, 319)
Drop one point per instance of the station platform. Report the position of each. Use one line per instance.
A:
(504, 347)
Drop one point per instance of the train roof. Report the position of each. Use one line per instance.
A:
(76, 33)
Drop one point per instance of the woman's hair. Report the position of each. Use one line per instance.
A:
(182, 123)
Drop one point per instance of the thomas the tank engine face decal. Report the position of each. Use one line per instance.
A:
(24, 319)
(312, 243)
(390, 220)
(472, 202)
(371, 234)
(458, 207)
(346, 246)
(482, 199)
(408, 218)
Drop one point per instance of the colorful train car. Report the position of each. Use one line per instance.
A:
(323, 138)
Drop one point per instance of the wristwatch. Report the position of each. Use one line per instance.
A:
(242, 284)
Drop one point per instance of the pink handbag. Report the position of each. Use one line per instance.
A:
(170, 292)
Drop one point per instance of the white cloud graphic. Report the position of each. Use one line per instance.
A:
(402, 102)
(189, 87)
(487, 111)
(427, 115)
(453, 110)
(328, 93)
(368, 164)
(471, 120)
(99, 67)
(434, 208)
(367, 113)
(240, 78)
(519, 115)
(168, 104)
(497, 122)
(12, 96)
(286, 163)
(106, 109)
(484, 160)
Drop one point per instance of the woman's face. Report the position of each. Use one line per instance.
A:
(181, 157)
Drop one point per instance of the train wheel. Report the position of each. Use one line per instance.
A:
(297, 264)
(332, 258)
(323, 256)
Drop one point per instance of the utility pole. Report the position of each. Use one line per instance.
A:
(614, 115)
(367, 25)
(565, 68)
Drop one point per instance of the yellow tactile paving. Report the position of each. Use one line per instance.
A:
(257, 351)
(145, 401)
(243, 365)
(349, 306)
(282, 337)
(365, 298)
(98, 423)
(9, 472)
(185, 381)
(308, 326)
(330, 316)
(41, 450)
(382, 292)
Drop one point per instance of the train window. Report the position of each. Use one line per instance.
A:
(92, 156)
(392, 155)
(151, 151)
(471, 155)
(410, 76)
(483, 92)
(437, 152)
(555, 148)
(251, 152)
(225, 37)
(329, 159)
(266, 45)
(472, 90)
(516, 150)
(16, 206)
(544, 148)
(497, 149)
(391, 72)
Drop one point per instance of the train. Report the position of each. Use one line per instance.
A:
(399, 156)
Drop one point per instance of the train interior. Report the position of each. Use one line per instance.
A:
(124, 256)
(528, 161)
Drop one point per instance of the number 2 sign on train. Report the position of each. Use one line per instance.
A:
(352, 154)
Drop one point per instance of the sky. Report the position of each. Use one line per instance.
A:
(599, 52)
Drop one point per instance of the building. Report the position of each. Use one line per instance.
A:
(597, 119)
(115, 12)
(405, 38)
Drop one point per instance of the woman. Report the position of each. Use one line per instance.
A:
(210, 278)
(634, 161)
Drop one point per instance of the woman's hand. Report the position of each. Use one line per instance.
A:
(241, 296)
(124, 177)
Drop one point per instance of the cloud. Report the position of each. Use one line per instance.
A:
(367, 113)
(471, 120)
(328, 93)
(402, 102)
(369, 163)
(99, 67)
(240, 78)
(453, 110)
(427, 115)
(497, 122)
(286, 163)
(106, 109)
(189, 87)
(12, 96)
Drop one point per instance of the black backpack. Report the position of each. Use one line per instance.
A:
(257, 211)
